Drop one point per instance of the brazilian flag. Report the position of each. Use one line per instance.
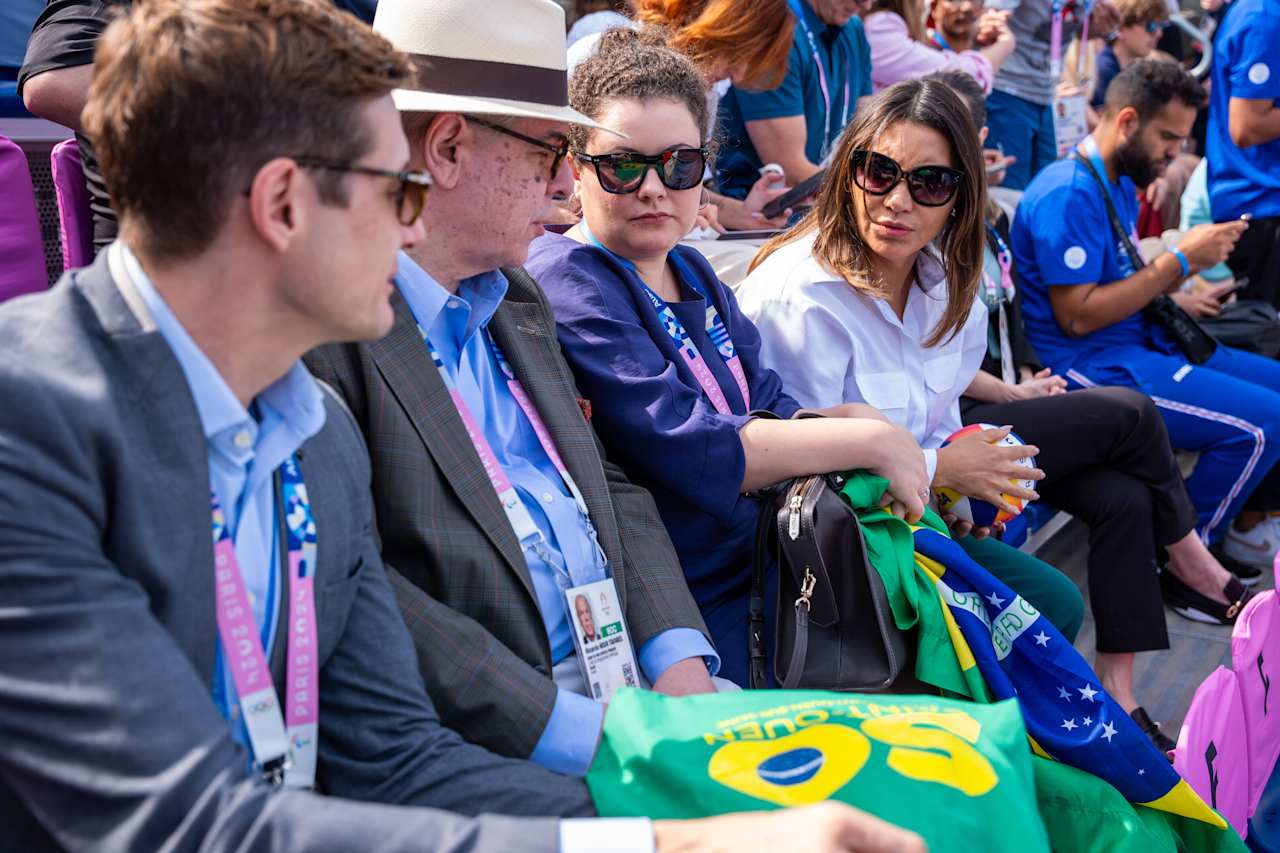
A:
(958, 773)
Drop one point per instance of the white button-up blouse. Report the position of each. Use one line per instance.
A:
(832, 344)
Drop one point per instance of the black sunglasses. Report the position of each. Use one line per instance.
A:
(931, 186)
(411, 195)
(559, 151)
(678, 169)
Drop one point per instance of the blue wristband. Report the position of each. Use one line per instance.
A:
(1182, 261)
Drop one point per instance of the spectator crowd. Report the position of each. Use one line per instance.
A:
(403, 381)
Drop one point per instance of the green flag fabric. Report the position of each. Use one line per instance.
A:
(912, 595)
(952, 771)
(1083, 814)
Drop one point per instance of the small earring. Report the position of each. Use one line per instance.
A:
(953, 213)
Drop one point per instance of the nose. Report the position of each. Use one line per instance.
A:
(899, 198)
(651, 185)
(412, 235)
(560, 187)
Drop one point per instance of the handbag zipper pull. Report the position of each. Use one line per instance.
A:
(793, 523)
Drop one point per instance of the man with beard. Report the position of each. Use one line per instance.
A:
(1084, 295)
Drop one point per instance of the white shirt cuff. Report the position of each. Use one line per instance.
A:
(613, 834)
(930, 463)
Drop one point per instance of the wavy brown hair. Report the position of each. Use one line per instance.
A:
(841, 249)
(755, 33)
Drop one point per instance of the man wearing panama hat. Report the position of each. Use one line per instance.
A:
(481, 578)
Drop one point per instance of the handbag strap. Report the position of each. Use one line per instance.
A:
(757, 674)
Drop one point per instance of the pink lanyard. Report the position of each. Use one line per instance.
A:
(1005, 259)
(1055, 41)
(716, 332)
(284, 747)
(522, 522)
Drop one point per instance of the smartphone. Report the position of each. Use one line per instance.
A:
(999, 165)
(794, 196)
(1235, 285)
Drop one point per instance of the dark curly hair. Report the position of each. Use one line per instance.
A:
(635, 64)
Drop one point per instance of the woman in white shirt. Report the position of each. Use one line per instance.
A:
(871, 299)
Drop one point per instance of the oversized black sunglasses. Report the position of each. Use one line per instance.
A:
(678, 169)
(411, 195)
(931, 186)
(559, 150)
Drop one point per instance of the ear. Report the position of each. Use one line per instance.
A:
(982, 135)
(444, 145)
(1127, 122)
(278, 198)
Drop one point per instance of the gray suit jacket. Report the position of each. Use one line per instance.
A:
(109, 739)
(464, 586)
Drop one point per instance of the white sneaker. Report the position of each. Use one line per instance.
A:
(1255, 547)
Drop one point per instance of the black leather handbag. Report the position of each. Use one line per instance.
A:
(834, 629)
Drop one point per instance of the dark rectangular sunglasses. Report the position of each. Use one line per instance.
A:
(678, 169)
(931, 186)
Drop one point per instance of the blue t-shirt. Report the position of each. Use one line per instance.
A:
(845, 59)
(1108, 68)
(1063, 236)
(1246, 64)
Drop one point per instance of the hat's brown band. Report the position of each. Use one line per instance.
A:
(481, 78)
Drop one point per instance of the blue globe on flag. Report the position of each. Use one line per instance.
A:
(978, 512)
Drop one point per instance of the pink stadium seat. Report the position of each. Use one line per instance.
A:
(22, 267)
(73, 205)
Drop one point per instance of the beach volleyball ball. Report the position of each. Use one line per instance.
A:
(978, 512)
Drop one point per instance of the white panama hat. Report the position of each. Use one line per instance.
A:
(486, 57)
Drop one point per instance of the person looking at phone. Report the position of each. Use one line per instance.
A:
(796, 124)
(659, 346)
(871, 300)
(1085, 294)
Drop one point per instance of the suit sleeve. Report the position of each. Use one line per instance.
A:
(481, 688)
(110, 755)
(380, 735)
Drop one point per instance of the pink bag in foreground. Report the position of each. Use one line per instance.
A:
(1255, 657)
(1213, 750)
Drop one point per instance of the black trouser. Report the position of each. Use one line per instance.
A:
(1257, 256)
(1108, 462)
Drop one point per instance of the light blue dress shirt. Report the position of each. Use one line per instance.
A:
(244, 453)
(456, 325)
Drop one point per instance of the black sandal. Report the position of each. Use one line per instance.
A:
(1151, 729)
(1188, 603)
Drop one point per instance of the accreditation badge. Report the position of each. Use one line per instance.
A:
(601, 638)
(1070, 122)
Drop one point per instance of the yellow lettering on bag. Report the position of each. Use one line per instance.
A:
(935, 747)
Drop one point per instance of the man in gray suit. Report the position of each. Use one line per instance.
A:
(184, 513)
(490, 128)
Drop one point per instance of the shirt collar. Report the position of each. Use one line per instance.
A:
(294, 400)
(427, 298)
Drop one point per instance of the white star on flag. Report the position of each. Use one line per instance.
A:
(1042, 639)
(1142, 772)
(1087, 692)
(1088, 721)
(1108, 731)
(1063, 694)
(995, 600)
(1069, 724)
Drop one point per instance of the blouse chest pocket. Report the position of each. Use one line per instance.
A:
(940, 373)
(887, 392)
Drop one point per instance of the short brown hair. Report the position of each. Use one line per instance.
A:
(839, 246)
(753, 33)
(1141, 11)
(630, 64)
(190, 98)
